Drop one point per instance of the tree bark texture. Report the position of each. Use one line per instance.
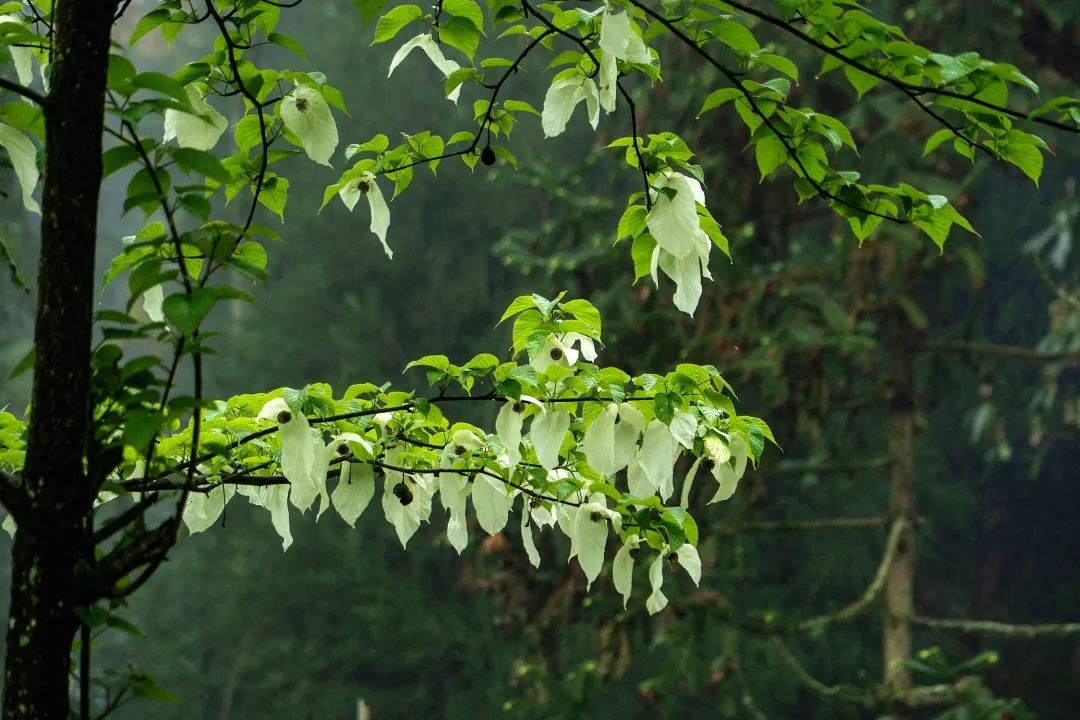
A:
(55, 497)
(900, 578)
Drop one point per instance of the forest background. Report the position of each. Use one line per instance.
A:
(810, 334)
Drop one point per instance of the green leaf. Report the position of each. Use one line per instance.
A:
(520, 304)
(642, 252)
(467, 9)
(770, 154)
(369, 8)
(1027, 157)
(719, 97)
(439, 362)
(462, 34)
(632, 222)
(392, 22)
(185, 312)
(202, 162)
(148, 22)
(140, 427)
(664, 406)
(289, 43)
(163, 84)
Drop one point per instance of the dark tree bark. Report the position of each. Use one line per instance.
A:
(53, 545)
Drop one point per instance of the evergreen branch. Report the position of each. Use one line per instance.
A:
(990, 627)
(1015, 352)
(872, 590)
(830, 692)
(806, 525)
(911, 90)
(794, 468)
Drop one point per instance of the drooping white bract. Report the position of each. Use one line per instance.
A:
(560, 350)
(548, 430)
(561, 99)
(306, 113)
(657, 456)
(275, 499)
(611, 440)
(406, 498)
(298, 448)
(508, 430)
(589, 535)
(152, 301)
(619, 39)
(355, 488)
(202, 510)
(425, 42)
(687, 556)
(23, 158)
(729, 463)
(200, 130)
(21, 57)
(526, 533)
(682, 246)
(380, 212)
(622, 567)
(492, 500)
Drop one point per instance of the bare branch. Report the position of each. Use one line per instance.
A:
(990, 627)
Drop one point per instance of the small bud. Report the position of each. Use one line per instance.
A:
(460, 450)
(635, 553)
(487, 156)
(596, 516)
(556, 354)
(343, 449)
(535, 503)
(363, 186)
(301, 104)
(284, 417)
(519, 406)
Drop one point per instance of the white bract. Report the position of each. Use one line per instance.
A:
(200, 130)
(682, 246)
(622, 567)
(729, 463)
(561, 99)
(202, 510)
(380, 213)
(687, 556)
(430, 48)
(588, 536)
(560, 350)
(548, 430)
(307, 115)
(21, 57)
(619, 39)
(611, 440)
(152, 301)
(355, 488)
(406, 498)
(299, 449)
(23, 156)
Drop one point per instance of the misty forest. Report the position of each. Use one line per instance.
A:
(598, 359)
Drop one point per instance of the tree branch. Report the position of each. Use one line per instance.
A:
(871, 592)
(26, 92)
(1015, 352)
(989, 627)
(911, 90)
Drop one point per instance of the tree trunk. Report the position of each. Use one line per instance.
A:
(900, 580)
(53, 511)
